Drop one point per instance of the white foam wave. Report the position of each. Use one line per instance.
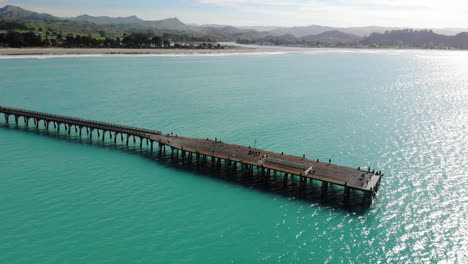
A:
(258, 52)
(226, 54)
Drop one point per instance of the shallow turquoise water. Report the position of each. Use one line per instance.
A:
(66, 200)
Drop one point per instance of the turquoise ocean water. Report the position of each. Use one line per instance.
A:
(68, 200)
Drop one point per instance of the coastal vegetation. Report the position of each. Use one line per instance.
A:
(16, 39)
(417, 38)
(405, 38)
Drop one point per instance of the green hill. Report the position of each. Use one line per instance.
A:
(333, 36)
(105, 20)
(18, 13)
(86, 24)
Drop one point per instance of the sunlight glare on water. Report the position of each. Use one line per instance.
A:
(64, 199)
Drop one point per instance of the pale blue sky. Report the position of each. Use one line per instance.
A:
(405, 13)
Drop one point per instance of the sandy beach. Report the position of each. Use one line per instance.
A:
(84, 51)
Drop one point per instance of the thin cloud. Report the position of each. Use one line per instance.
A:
(340, 13)
(404, 13)
(382, 5)
(250, 3)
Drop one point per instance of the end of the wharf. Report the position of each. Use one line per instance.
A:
(271, 164)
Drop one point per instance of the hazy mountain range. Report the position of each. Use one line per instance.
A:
(18, 13)
(177, 30)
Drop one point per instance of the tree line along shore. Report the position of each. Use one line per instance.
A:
(24, 39)
(20, 36)
(402, 39)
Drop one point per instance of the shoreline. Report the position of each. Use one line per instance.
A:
(105, 51)
(6, 53)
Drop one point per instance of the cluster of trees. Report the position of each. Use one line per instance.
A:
(417, 38)
(37, 39)
(405, 37)
(77, 41)
(283, 40)
(12, 25)
(17, 39)
(148, 40)
(143, 40)
(199, 46)
(307, 41)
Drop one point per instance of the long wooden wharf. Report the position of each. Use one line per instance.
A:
(202, 151)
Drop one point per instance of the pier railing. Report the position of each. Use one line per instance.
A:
(141, 132)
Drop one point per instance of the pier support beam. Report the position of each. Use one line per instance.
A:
(367, 198)
(267, 175)
(324, 189)
(285, 179)
(347, 193)
(162, 148)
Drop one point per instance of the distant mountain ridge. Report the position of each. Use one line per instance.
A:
(103, 20)
(168, 23)
(18, 13)
(174, 29)
(332, 36)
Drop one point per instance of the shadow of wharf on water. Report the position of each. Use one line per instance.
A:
(221, 171)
